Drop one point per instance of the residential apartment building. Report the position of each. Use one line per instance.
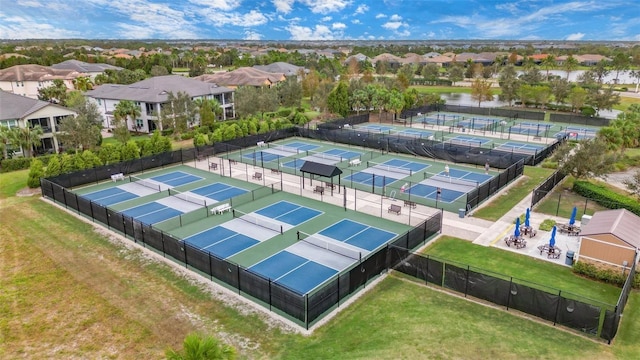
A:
(26, 80)
(151, 96)
(91, 69)
(20, 111)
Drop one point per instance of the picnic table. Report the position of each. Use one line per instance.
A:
(569, 229)
(518, 241)
(528, 230)
(553, 252)
(411, 204)
(330, 185)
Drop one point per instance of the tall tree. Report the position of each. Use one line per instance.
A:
(430, 72)
(570, 64)
(81, 132)
(290, 92)
(549, 63)
(509, 84)
(83, 83)
(55, 93)
(456, 73)
(338, 100)
(27, 138)
(577, 98)
(560, 89)
(395, 102)
(481, 91)
(589, 159)
(8, 137)
(180, 111)
(619, 63)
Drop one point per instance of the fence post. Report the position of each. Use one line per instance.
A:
(558, 207)
(555, 318)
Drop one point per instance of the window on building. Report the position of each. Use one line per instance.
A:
(149, 108)
(9, 123)
(139, 123)
(43, 122)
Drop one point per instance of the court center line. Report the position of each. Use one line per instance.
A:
(292, 270)
(219, 241)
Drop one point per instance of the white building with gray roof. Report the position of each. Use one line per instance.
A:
(152, 94)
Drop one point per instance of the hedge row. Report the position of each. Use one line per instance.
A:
(21, 163)
(606, 197)
(606, 275)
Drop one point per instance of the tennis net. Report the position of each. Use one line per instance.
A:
(289, 149)
(188, 197)
(255, 220)
(146, 183)
(390, 168)
(330, 246)
(322, 155)
(450, 180)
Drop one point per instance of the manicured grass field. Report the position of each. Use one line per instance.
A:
(521, 267)
(500, 205)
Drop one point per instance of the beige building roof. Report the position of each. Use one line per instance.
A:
(37, 73)
(243, 76)
(622, 223)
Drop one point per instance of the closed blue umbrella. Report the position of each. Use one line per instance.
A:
(526, 218)
(552, 241)
(517, 233)
(572, 220)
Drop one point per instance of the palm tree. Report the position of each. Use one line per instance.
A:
(125, 109)
(199, 347)
(27, 138)
(548, 63)
(82, 83)
(570, 64)
(7, 137)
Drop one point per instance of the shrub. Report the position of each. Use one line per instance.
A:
(587, 111)
(606, 275)
(606, 197)
(36, 171)
(284, 112)
(547, 224)
(14, 164)
(187, 136)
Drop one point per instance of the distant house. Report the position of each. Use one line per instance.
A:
(358, 57)
(610, 238)
(151, 96)
(20, 111)
(245, 76)
(26, 80)
(84, 67)
(394, 62)
(282, 68)
(586, 60)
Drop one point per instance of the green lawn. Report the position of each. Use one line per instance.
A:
(112, 140)
(522, 267)
(501, 204)
(11, 182)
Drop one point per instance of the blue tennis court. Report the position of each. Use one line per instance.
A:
(344, 154)
(261, 156)
(358, 234)
(176, 178)
(415, 133)
(515, 146)
(477, 123)
(375, 128)
(151, 213)
(431, 192)
(469, 140)
(288, 212)
(467, 175)
(294, 164)
(369, 179)
(301, 146)
(219, 191)
(221, 241)
(294, 272)
(578, 133)
(529, 128)
(109, 196)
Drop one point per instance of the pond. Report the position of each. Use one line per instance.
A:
(466, 100)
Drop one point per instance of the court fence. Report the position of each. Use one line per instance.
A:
(554, 305)
(579, 119)
(304, 309)
(546, 187)
(485, 111)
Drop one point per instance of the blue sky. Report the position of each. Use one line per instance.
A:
(322, 19)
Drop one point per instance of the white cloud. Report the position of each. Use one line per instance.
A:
(319, 32)
(326, 6)
(380, 16)
(283, 6)
(252, 35)
(326, 18)
(492, 27)
(252, 18)
(392, 25)
(395, 17)
(575, 37)
(17, 27)
(225, 5)
(356, 21)
(362, 9)
(338, 26)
